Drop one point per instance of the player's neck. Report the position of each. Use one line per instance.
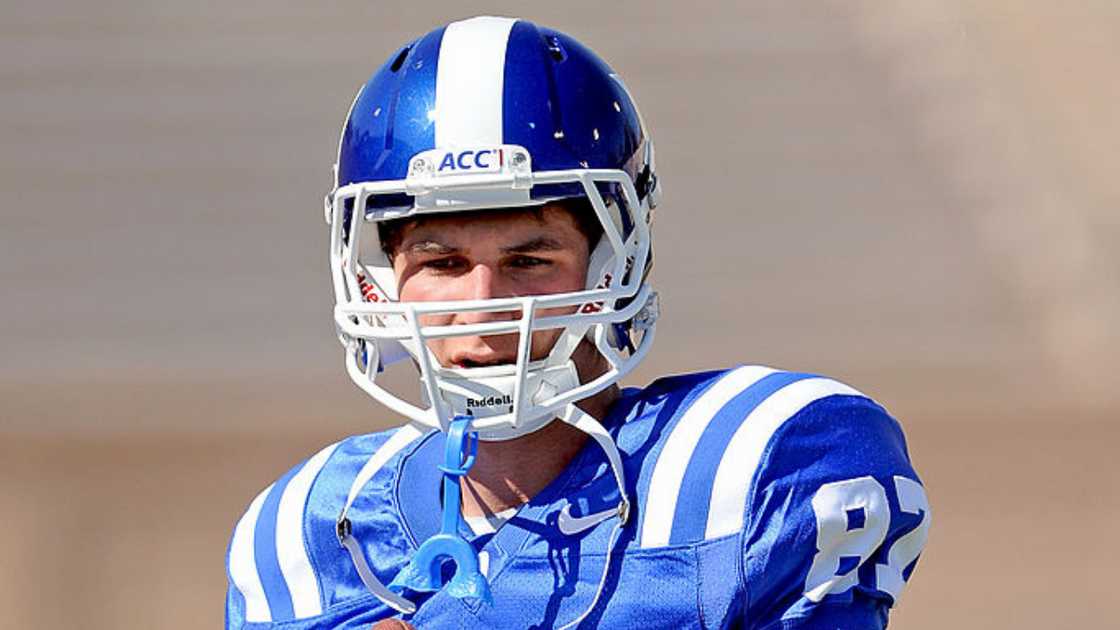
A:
(507, 474)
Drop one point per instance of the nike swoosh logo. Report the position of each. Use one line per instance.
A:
(569, 524)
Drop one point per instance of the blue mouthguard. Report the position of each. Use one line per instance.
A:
(422, 573)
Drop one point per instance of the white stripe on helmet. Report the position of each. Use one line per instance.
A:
(469, 82)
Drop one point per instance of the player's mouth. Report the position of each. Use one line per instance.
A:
(463, 361)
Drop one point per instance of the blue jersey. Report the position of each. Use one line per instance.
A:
(760, 499)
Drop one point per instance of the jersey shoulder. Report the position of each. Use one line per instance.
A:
(284, 557)
(836, 517)
(806, 477)
(701, 444)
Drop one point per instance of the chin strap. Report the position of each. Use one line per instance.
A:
(573, 525)
(588, 424)
(402, 438)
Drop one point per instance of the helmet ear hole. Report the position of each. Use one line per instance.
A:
(555, 49)
(399, 61)
(645, 182)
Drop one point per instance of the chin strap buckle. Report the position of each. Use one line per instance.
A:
(342, 529)
(623, 511)
(649, 313)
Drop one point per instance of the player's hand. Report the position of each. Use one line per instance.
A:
(392, 624)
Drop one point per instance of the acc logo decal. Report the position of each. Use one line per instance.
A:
(462, 160)
(485, 160)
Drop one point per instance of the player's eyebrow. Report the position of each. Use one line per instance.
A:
(539, 244)
(431, 248)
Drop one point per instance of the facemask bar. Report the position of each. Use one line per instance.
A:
(619, 365)
(367, 329)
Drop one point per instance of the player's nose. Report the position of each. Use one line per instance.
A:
(484, 283)
(481, 283)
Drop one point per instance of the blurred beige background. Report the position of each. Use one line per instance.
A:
(917, 197)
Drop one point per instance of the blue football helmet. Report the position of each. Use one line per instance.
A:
(481, 114)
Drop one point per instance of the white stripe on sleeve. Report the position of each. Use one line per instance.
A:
(668, 472)
(243, 563)
(291, 550)
(744, 451)
(470, 77)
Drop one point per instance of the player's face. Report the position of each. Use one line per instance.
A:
(482, 255)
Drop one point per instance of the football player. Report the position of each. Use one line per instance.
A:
(490, 231)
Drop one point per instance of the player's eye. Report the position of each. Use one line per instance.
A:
(528, 262)
(444, 264)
